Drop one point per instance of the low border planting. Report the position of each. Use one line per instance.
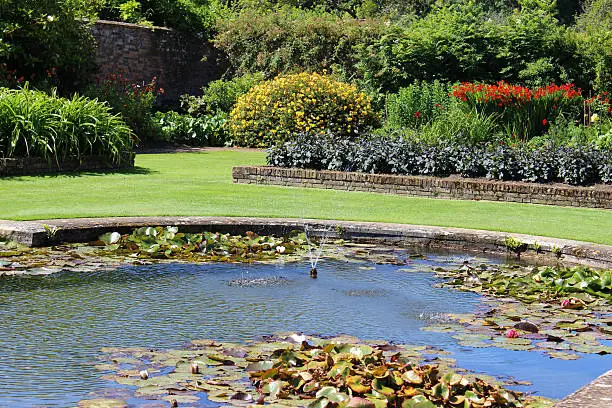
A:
(34, 124)
(575, 165)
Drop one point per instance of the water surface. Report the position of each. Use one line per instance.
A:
(53, 327)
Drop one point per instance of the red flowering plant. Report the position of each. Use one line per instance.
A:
(522, 111)
(133, 101)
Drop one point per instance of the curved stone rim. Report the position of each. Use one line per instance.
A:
(49, 232)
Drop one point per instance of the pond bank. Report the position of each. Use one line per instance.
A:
(532, 248)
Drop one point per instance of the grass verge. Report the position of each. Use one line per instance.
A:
(201, 184)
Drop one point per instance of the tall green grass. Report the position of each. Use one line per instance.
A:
(37, 124)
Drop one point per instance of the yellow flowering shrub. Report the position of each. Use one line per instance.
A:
(273, 111)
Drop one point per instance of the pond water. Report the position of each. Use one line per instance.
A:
(52, 327)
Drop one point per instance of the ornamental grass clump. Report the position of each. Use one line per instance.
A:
(273, 111)
(36, 124)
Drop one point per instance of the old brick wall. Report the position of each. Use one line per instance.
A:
(181, 63)
(433, 187)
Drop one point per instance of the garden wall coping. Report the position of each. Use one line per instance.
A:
(454, 187)
(34, 233)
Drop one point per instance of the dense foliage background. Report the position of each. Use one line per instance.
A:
(530, 74)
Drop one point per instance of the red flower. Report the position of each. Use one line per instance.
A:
(417, 114)
(544, 122)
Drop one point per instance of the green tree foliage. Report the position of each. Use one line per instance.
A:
(184, 15)
(594, 34)
(39, 35)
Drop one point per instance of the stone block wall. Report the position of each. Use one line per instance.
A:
(181, 63)
(432, 187)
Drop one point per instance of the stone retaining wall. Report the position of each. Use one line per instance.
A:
(432, 187)
(34, 165)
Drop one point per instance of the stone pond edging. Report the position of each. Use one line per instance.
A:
(23, 166)
(47, 232)
(431, 187)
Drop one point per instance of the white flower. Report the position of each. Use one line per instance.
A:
(280, 249)
(594, 118)
(50, 18)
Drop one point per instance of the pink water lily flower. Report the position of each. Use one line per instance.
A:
(565, 303)
(512, 334)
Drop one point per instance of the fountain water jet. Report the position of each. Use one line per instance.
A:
(314, 251)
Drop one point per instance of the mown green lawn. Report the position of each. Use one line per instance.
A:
(200, 184)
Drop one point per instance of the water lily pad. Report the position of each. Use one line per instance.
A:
(563, 356)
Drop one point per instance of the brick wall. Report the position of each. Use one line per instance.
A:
(432, 187)
(35, 165)
(182, 63)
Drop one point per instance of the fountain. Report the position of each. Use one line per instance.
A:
(314, 251)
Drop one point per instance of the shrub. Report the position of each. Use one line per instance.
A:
(289, 40)
(577, 165)
(183, 15)
(36, 36)
(220, 95)
(33, 123)
(417, 104)
(206, 130)
(134, 102)
(275, 110)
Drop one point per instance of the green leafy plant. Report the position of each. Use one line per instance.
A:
(35, 124)
(514, 245)
(133, 101)
(207, 130)
(220, 96)
(417, 104)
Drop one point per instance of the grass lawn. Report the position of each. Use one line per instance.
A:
(201, 184)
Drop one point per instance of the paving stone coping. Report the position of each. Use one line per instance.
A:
(453, 187)
(34, 233)
(596, 394)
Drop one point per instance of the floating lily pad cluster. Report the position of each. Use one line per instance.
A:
(313, 372)
(531, 284)
(544, 309)
(16, 259)
(168, 242)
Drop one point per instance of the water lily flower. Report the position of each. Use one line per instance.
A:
(512, 334)
(144, 374)
(194, 368)
(280, 249)
(565, 303)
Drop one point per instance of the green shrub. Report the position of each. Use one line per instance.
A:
(594, 39)
(465, 42)
(184, 15)
(134, 102)
(37, 37)
(206, 130)
(417, 104)
(274, 110)
(33, 123)
(220, 95)
(577, 165)
(290, 40)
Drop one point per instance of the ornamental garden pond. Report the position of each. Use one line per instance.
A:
(159, 317)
